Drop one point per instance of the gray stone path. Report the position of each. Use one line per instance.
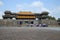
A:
(28, 33)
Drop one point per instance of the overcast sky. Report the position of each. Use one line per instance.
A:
(38, 6)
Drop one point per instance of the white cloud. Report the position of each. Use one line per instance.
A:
(37, 4)
(55, 12)
(1, 3)
(19, 6)
(40, 6)
(45, 9)
(58, 9)
(1, 14)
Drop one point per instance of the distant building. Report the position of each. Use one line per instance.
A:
(25, 15)
(28, 18)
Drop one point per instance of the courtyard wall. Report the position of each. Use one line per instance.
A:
(15, 23)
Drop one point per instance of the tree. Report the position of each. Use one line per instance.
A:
(58, 19)
(52, 18)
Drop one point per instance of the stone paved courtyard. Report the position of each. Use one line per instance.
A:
(29, 33)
